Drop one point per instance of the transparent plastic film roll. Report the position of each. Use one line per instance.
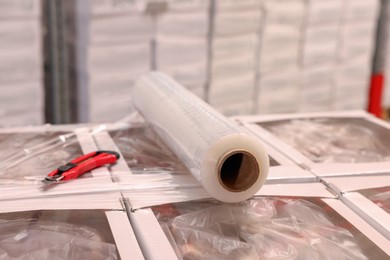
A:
(230, 164)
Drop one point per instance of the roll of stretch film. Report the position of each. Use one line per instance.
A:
(228, 162)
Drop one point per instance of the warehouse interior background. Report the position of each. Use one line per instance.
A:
(74, 61)
(298, 168)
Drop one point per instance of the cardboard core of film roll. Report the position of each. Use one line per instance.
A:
(238, 170)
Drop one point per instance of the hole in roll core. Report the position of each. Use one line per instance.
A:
(238, 171)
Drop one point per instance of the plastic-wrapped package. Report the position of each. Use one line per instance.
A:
(27, 155)
(262, 228)
(326, 140)
(56, 235)
(380, 196)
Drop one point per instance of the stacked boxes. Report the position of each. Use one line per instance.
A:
(234, 48)
(21, 102)
(182, 43)
(279, 73)
(252, 56)
(316, 88)
(357, 43)
(337, 54)
(319, 53)
(118, 53)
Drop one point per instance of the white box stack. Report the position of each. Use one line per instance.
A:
(278, 59)
(119, 52)
(233, 56)
(21, 86)
(329, 45)
(316, 88)
(318, 55)
(182, 43)
(279, 91)
(357, 43)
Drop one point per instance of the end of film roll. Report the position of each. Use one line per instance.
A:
(235, 168)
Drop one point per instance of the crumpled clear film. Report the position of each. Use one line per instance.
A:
(263, 228)
(56, 235)
(26, 155)
(327, 140)
(380, 196)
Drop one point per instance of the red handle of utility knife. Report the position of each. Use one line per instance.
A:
(83, 157)
(90, 162)
(78, 160)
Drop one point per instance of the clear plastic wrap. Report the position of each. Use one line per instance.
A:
(56, 235)
(144, 152)
(29, 155)
(327, 140)
(22, 172)
(13, 143)
(263, 228)
(380, 196)
(229, 163)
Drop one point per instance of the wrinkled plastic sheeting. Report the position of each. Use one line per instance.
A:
(144, 152)
(380, 196)
(12, 143)
(334, 140)
(261, 228)
(37, 239)
(26, 155)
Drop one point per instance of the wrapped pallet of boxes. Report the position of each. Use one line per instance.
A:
(278, 70)
(234, 44)
(355, 55)
(281, 220)
(182, 39)
(71, 227)
(21, 68)
(119, 51)
(76, 219)
(171, 211)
